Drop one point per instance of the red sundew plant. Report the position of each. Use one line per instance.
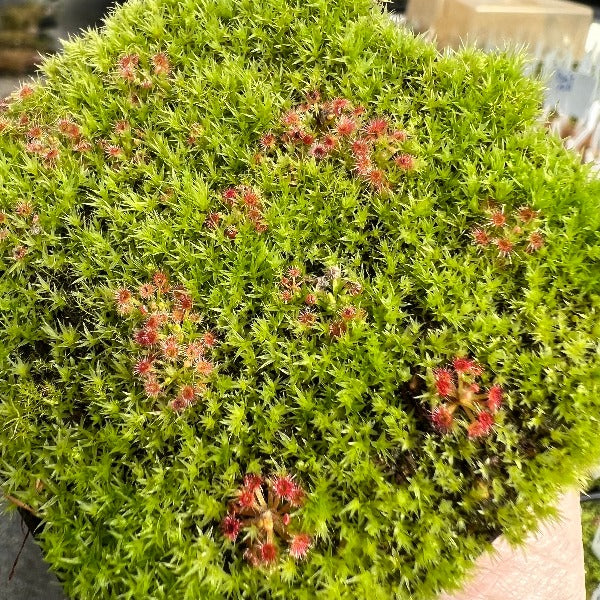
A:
(263, 510)
(69, 129)
(375, 150)
(509, 233)
(161, 64)
(173, 353)
(458, 389)
(326, 299)
(18, 230)
(49, 143)
(122, 127)
(196, 134)
(35, 132)
(127, 66)
(26, 91)
(242, 204)
(56, 143)
(132, 69)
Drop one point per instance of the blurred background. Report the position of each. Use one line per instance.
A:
(30, 28)
(560, 37)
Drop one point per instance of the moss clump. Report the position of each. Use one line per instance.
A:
(290, 307)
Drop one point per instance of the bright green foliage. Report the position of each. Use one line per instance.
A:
(134, 492)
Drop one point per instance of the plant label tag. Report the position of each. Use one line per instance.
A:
(559, 87)
(596, 544)
(564, 80)
(572, 91)
(582, 94)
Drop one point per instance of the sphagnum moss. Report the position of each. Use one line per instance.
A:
(291, 306)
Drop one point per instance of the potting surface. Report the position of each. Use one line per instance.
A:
(8, 84)
(30, 577)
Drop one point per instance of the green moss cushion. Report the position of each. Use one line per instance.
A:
(291, 306)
